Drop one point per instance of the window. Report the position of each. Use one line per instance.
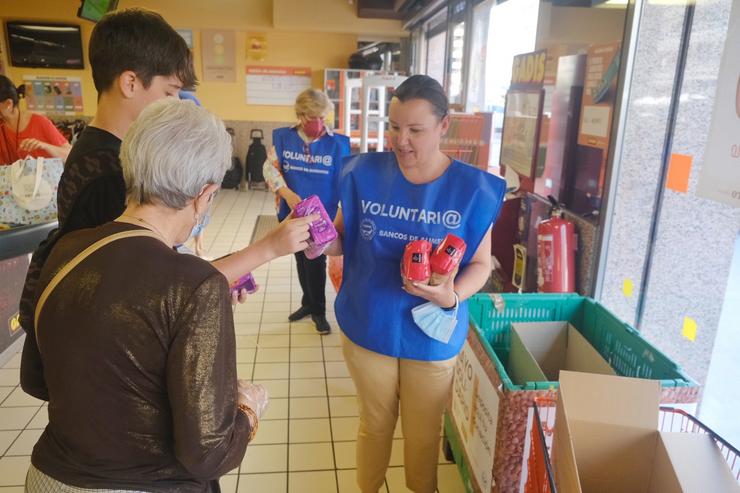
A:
(457, 55)
(435, 33)
(512, 31)
(456, 61)
(475, 98)
(435, 63)
(418, 52)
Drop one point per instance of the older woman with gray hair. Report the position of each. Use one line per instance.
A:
(137, 341)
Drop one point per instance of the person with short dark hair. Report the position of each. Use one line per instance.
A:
(136, 58)
(140, 44)
(388, 199)
(23, 133)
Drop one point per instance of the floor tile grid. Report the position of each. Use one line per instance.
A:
(18, 411)
(331, 426)
(328, 404)
(295, 301)
(259, 306)
(246, 205)
(222, 207)
(226, 206)
(295, 295)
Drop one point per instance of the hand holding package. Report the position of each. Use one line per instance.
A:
(254, 396)
(322, 231)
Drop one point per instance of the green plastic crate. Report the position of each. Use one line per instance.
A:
(621, 345)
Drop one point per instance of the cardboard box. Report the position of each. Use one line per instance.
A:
(606, 441)
(539, 350)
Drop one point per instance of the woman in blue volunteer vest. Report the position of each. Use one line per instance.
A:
(305, 160)
(388, 199)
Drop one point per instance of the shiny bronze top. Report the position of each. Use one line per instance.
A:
(139, 360)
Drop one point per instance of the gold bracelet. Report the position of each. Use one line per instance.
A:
(254, 421)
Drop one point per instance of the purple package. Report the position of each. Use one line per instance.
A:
(245, 282)
(322, 230)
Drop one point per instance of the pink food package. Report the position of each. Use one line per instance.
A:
(322, 230)
(245, 282)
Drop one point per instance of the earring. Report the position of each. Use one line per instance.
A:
(197, 218)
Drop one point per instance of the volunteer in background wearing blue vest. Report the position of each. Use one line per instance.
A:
(389, 199)
(304, 160)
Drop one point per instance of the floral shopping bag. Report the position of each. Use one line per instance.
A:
(28, 190)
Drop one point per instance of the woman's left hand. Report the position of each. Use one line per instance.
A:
(252, 395)
(32, 144)
(442, 295)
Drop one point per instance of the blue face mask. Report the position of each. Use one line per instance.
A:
(437, 323)
(200, 226)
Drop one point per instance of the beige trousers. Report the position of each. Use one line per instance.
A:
(423, 389)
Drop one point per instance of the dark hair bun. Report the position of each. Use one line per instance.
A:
(8, 90)
(426, 88)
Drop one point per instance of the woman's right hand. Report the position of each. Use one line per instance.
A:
(254, 396)
(291, 235)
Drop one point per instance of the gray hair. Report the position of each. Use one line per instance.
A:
(172, 150)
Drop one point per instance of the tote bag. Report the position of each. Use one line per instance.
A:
(28, 190)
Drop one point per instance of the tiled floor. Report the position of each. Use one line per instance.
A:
(306, 441)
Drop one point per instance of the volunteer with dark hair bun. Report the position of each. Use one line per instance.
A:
(388, 199)
(304, 160)
(23, 133)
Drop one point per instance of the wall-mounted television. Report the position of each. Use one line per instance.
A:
(94, 10)
(32, 44)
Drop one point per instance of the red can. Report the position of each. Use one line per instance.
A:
(415, 265)
(448, 255)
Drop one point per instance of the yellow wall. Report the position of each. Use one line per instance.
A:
(318, 34)
(339, 16)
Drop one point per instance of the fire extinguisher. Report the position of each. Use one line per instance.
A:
(557, 243)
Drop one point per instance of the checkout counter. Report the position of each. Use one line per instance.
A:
(16, 245)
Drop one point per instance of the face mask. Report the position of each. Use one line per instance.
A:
(436, 322)
(200, 226)
(313, 128)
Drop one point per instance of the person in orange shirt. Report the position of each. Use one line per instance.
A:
(23, 133)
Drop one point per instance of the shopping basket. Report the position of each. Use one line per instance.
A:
(489, 340)
(677, 420)
(621, 345)
(538, 470)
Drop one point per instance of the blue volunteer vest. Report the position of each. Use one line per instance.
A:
(315, 172)
(382, 212)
